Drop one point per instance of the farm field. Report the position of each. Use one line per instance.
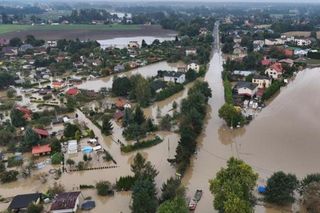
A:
(82, 31)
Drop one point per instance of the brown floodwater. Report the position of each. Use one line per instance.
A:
(282, 137)
(146, 71)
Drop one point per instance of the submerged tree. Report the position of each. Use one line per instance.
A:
(106, 126)
(232, 187)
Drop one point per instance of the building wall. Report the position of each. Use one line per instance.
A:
(262, 83)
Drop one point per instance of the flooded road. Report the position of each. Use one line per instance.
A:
(284, 136)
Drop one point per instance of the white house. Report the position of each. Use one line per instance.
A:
(66, 202)
(274, 42)
(262, 81)
(258, 45)
(246, 88)
(52, 43)
(275, 71)
(175, 77)
(302, 42)
(72, 147)
(133, 44)
(191, 51)
(193, 66)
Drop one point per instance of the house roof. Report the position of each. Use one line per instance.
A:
(23, 201)
(72, 91)
(245, 84)
(118, 115)
(120, 102)
(66, 200)
(41, 132)
(265, 62)
(41, 149)
(277, 67)
(172, 74)
(261, 77)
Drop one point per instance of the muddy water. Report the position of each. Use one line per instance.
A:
(146, 71)
(282, 137)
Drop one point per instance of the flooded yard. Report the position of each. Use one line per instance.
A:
(146, 71)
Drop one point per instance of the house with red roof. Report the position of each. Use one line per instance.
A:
(266, 62)
(275, 70)
(57, 84)
(41, 150)
(27, 113)
(120, 103)
(73, 91)
(288, 52)
(66, 202)
(41, 132)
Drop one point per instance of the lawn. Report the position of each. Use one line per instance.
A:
(7, 28)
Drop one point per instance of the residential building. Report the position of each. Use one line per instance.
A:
(275, 71)
(274, 42)
(41, 150)
(119, 68)
(73, 91)
(21, 202)
(66, 202)
(193, 66)
(191, 51)
(133, 45)
(262, 81)
(244, 88)
(175, 77)
(287, 61)
(42, 133)
(303, 42)
(72, 147)
(25, 47)
(52, 43)
(258, 45)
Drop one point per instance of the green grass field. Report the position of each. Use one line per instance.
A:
(7, 28)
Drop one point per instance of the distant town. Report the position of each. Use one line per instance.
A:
(159, 108)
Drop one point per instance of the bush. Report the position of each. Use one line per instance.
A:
(9, 176)
(86, 186)
(12, 162)
(56, 158)
(273, 89)
(81, 165)
(169, 91)
(104, 188)
(34, 208)
(228, 92)
(280, 188)
(125, 183)
(141, 145)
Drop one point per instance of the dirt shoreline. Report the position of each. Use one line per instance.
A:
(145, 30)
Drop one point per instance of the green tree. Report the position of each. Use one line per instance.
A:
(78, 135)
(309, 179)
(34, 208)
(142, 168)
(177, 205)
(57, 158)
(280, 188)
(144, 44)
(165, 123)
(2, 167)
(11, 92)
(144, 198)
(31, 138)
(5, 137)
(70, 162)
(138, 116)
(70, 130)
(17, 118)
(141, 90)
(71, 103)
(91, 134)
(15, 42)
(121, 86)
(233, 186)
(170, 189)
(231, 115)
(106, 125)
(55, 145)
(9, 176)
(103, 188)
(311, 197)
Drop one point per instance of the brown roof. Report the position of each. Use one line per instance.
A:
(66, 200)
(41, 149)
(41, 132)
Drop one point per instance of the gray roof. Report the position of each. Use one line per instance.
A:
(245, 84)
(262, 77)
